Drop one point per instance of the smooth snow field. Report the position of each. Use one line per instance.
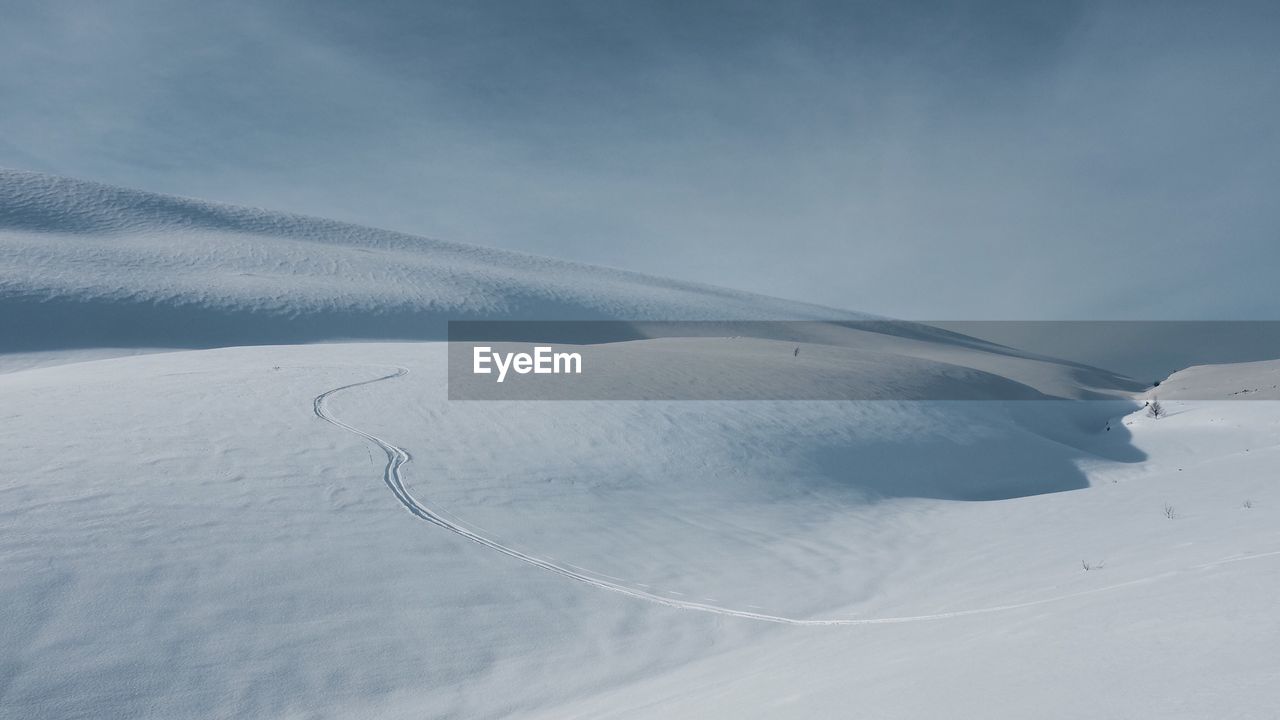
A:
(201, 517)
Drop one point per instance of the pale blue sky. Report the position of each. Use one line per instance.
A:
(927, 160)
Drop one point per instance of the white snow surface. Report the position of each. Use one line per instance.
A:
(1239, 381)
(86, 264)
(186, 538)
(315, 531)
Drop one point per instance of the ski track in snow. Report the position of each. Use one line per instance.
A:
(397, 457)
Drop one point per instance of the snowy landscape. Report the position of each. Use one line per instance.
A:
(232, 485)
(556, 360)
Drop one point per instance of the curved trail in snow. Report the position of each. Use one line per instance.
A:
(397, 457)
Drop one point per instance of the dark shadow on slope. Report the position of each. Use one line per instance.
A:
(1041, 454)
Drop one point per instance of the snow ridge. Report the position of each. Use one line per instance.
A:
(86, 264)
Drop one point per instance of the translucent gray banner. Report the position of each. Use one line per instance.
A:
(860, 360)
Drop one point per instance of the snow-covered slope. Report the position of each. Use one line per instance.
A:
(86, 265)
(1234, 381)
(89, 266)
(186, 538)
(283, 531)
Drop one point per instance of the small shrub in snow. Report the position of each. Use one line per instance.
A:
(1155, 409)
(1248, 504)
(1168, 511)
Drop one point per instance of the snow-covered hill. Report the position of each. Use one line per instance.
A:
(316, 531)
(1235, 381)
(86, 265)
